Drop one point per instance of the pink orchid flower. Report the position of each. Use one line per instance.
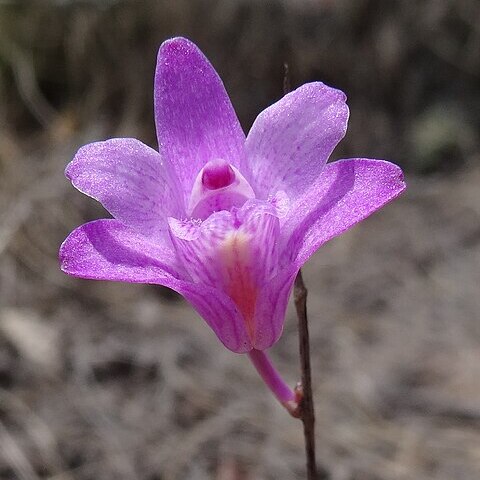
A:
(223, 219)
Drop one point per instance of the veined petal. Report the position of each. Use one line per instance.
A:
(220, 313)
(199, 246)
(346, 192)
(260, 222)
(236, 252)
(108, 250)
(271, 307)
(130, 180)
(290, 142)
(194, 116)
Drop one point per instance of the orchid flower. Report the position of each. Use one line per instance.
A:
(224, 219)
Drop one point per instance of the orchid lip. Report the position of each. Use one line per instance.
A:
(218, 186)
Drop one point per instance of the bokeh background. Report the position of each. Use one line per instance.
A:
(109, 381)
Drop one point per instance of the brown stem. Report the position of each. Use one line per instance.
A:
(304, 389)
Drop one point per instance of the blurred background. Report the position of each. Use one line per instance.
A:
(109, 381)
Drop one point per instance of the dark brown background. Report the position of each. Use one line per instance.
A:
(109, 381)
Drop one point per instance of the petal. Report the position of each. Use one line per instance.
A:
(108, 250)
(199, 246)
(234, 252)
(194, 117)
(220, 313)
(130, 180)
(271, 307)
(290, 142)
(346, 192)
(260, 222)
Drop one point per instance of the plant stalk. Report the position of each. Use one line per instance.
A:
(305, 394)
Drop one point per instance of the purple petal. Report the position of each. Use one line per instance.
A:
(346, 192)
(131, 182)
(199, 246)
(263, 226)
(220, 313)
(290, 142)
(108, 250)
(271, 307)
(194, 117)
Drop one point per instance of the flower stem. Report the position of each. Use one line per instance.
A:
(285, 395)
(306, 403)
